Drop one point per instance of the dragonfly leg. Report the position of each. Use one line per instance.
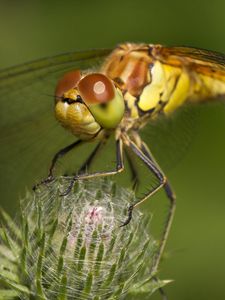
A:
(167, 187)
(153, 167)
(58, 155)
(86, 165)
(119, 168)
(133, 169)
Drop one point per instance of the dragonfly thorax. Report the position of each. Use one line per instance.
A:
(128, 66)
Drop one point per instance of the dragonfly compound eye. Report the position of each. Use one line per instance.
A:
(66, 83)
(96, 88)
(103, 99)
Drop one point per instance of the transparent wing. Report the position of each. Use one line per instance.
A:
(203, 61)
(196, 55)
(169, 138)
(29, 134)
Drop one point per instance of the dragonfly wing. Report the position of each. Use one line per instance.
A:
(29, 134)
(169, 138)
(203, 61)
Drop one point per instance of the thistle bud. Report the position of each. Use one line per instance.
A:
(73, 247)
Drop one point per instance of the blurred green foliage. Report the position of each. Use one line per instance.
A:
(33, 29)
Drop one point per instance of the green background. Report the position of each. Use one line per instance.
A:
(29, 30)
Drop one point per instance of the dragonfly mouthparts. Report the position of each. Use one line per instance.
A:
(70, 101)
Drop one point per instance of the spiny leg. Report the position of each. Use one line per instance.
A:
(169, 192)
(86, 165)
(162, 181)
(152, 167)
(119, 168)
(56, 157)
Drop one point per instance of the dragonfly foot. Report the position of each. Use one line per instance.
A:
(69, 188)
(130, 211)
(44, 181)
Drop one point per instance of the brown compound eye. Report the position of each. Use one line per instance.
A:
(96, 88)
(67, 82)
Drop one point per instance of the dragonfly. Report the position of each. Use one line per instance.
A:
(99, 94)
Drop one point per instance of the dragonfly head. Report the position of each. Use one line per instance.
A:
(85, 104)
